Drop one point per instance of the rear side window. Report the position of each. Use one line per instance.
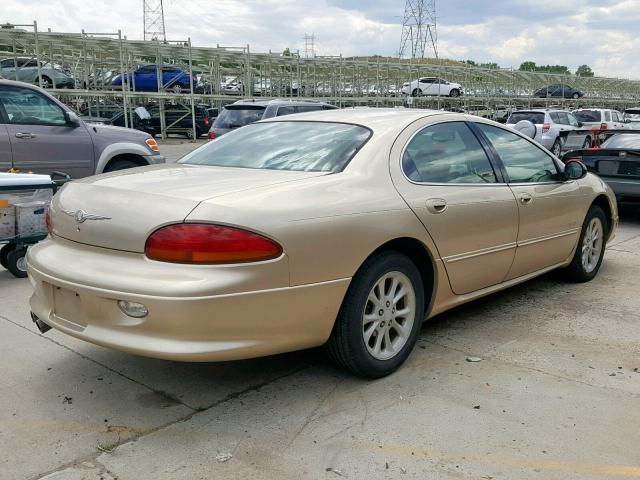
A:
(555, 117)
(523, 161)
(607, 116)
(447, 153)
(534, 117)
(288, 110)
(231, 117)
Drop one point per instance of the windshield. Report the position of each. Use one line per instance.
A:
(586, 116)
(238, 117)
(624, 140)
(632, 114)
(299, 146)
(533, 117)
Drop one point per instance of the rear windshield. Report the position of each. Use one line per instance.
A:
(587, 115)
(632, 114)
(234, 117)
(299, 146)
(624, 140)
(533, 117)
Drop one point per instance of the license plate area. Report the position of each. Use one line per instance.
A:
(67, 305)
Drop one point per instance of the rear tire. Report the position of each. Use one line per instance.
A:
(591, 246)
(4, 252)
(17, 263)
(380, 317)
(120, 165)
(556, 149)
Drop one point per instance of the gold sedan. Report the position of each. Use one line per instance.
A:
(342, 228)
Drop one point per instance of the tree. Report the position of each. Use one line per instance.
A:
(584, 71)
(528, 66)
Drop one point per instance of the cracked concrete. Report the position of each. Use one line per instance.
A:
(555, 397)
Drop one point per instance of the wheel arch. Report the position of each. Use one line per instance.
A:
(122, 151)
(131, 157)
(603, 202)
(422, 258)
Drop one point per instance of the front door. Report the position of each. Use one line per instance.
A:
(548, 205)
(5, 147)
(41, 139)
(447, 179)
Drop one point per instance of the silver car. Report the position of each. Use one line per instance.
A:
(25, 69)
(549, 124)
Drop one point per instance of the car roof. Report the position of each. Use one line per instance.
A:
(370, 117)
(279, 101)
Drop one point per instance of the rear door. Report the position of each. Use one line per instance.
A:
(548, 205)
(445, 176)
(41, 140)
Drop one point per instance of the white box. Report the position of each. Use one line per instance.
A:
(31, 218)
(7, 223)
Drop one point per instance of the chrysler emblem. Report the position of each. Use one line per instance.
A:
(80, 215)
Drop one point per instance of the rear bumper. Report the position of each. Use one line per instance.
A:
(204, 326)
(621, 187)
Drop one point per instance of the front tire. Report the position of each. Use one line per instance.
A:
(454, 93)
(120, 165)
(380, 317)
(17, 262)
(416, 93)
(4, 253)
(556, 149)
(576, 96)
(591, 246)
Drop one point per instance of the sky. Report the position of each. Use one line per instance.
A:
(601, 33)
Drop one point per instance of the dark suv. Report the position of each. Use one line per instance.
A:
(244, 112)
(178, 119)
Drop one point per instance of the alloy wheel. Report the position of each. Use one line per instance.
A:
(388, 316)
(592, 245)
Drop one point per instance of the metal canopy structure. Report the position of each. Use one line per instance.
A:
(94, 58)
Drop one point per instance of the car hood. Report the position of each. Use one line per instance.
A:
(117, 134)
(121, 209)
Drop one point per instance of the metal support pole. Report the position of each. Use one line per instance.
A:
(193, 107)
(35, 33)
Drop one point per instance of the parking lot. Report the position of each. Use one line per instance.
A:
(554, 395)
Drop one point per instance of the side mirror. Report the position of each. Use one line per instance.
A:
(627, 120)
(574, 170)
(580, 124)
(72, 119)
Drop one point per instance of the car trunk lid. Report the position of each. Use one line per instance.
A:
(120, 210)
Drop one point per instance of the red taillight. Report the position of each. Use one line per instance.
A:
(211, 135)
(206, 120)
(47, 220)
(603, 126)
(545, 127)
(209, 244)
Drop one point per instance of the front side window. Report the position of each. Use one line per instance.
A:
(523, 161)
(297, 146)
(28, 107)
(572, 120)
(447, 153)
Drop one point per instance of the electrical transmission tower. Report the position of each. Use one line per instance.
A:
(153, 12)
(419, 28)
(309, 45)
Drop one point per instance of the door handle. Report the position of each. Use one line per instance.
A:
(25, 135)
(526, 199)
(436, 205)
